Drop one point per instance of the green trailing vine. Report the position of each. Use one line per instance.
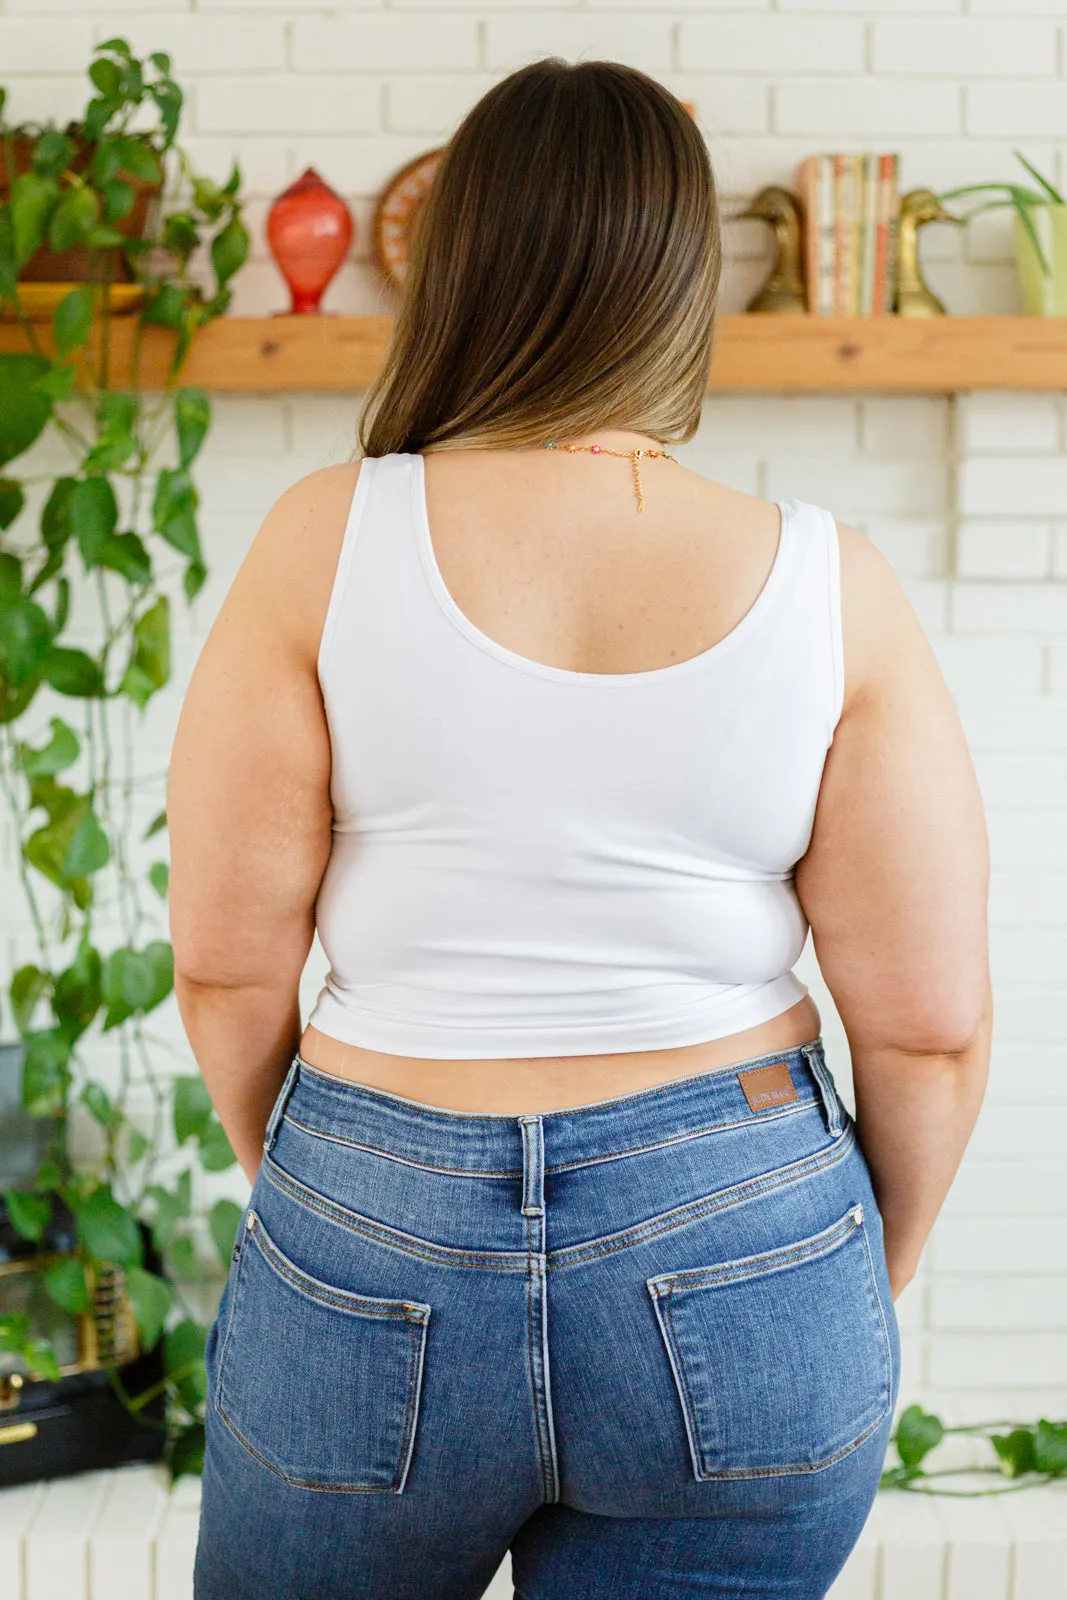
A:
(116, 529)
(1024, 1452)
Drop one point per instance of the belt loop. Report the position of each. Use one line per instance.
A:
(279, 1106)
(533, 1166)
(816, 1059)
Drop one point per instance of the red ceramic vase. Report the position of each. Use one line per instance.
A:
(309, 230)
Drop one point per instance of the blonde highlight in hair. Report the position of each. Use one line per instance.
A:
(564, 271)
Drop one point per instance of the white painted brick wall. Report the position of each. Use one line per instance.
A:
(860, 108)
(386, 43)
(224, 46)
(995, 422)
(286, 103)
(1059, 551)
(1024, 108)
(642, 39)
(1006, 485)
(968, 499)
(32, 39)
(770, 43)
(957, 47)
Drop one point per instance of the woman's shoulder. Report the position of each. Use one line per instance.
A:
(882, 636)
(312, 504)
(288, 572)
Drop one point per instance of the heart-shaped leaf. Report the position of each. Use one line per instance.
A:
(28, 1213)
(151, 1298)
(192, 1107)
(192, 418)
(72, 320)
(24, 407)
(917, 1433)
(73, 672)
(149, 667)
(74, 217)
(12, 500)
(94, 513)
(66, 1285)
(216, 1152)
(45, 1072)
(28, 988)
(1015, 1450)
(107, 1230)
(32, 200)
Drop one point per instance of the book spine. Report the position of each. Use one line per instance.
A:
(848, 306)
(870, 230)
(856, 235)
(827, 236)
(892, 229)
(880, 297)
(851, 236)
(840, 233)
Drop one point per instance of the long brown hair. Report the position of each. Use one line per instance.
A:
(564, 271)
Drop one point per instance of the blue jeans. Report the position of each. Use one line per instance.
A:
(647, 1345)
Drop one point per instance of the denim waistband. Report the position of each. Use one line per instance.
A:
(497, 1144)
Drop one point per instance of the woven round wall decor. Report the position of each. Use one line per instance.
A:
(397, 213)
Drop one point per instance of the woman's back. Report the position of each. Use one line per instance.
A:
(536, 858)
(545, 555)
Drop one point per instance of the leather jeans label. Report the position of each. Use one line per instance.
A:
(767, 1086)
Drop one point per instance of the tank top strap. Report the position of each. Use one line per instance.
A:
(379, 536)
(815, 592)
(833, 589)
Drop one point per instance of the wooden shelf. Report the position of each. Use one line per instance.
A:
(936, 355)
(919, 355)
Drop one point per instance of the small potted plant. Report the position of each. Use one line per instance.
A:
(1040, 235)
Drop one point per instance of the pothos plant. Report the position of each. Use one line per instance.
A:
(117, 528)
(1024, 1452)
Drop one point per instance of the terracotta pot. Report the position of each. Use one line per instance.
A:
(309, 230)
(73, 266)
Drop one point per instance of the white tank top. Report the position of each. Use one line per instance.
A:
(529, 861)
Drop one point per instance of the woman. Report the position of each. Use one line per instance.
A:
(561, 1238)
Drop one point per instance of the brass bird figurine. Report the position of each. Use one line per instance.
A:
(783, 289)
(914, 297)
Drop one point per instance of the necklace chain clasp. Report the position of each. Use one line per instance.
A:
(633, 456)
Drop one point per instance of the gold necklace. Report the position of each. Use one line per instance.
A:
(632, 456)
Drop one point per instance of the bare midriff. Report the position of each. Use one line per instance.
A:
(529, 1085)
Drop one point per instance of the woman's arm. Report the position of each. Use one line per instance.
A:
(248, 809)
(895, 885)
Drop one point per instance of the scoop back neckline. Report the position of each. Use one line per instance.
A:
(542, 669)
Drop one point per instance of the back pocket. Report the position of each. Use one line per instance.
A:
(321, 1385)
(782, 1361)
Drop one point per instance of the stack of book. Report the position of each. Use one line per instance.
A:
(850, 206)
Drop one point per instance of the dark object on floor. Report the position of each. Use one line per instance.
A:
(51, 1429)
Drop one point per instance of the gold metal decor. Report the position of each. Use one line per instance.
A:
(914, 297)
(39, 300)
(783, 289)
(104, 1336)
